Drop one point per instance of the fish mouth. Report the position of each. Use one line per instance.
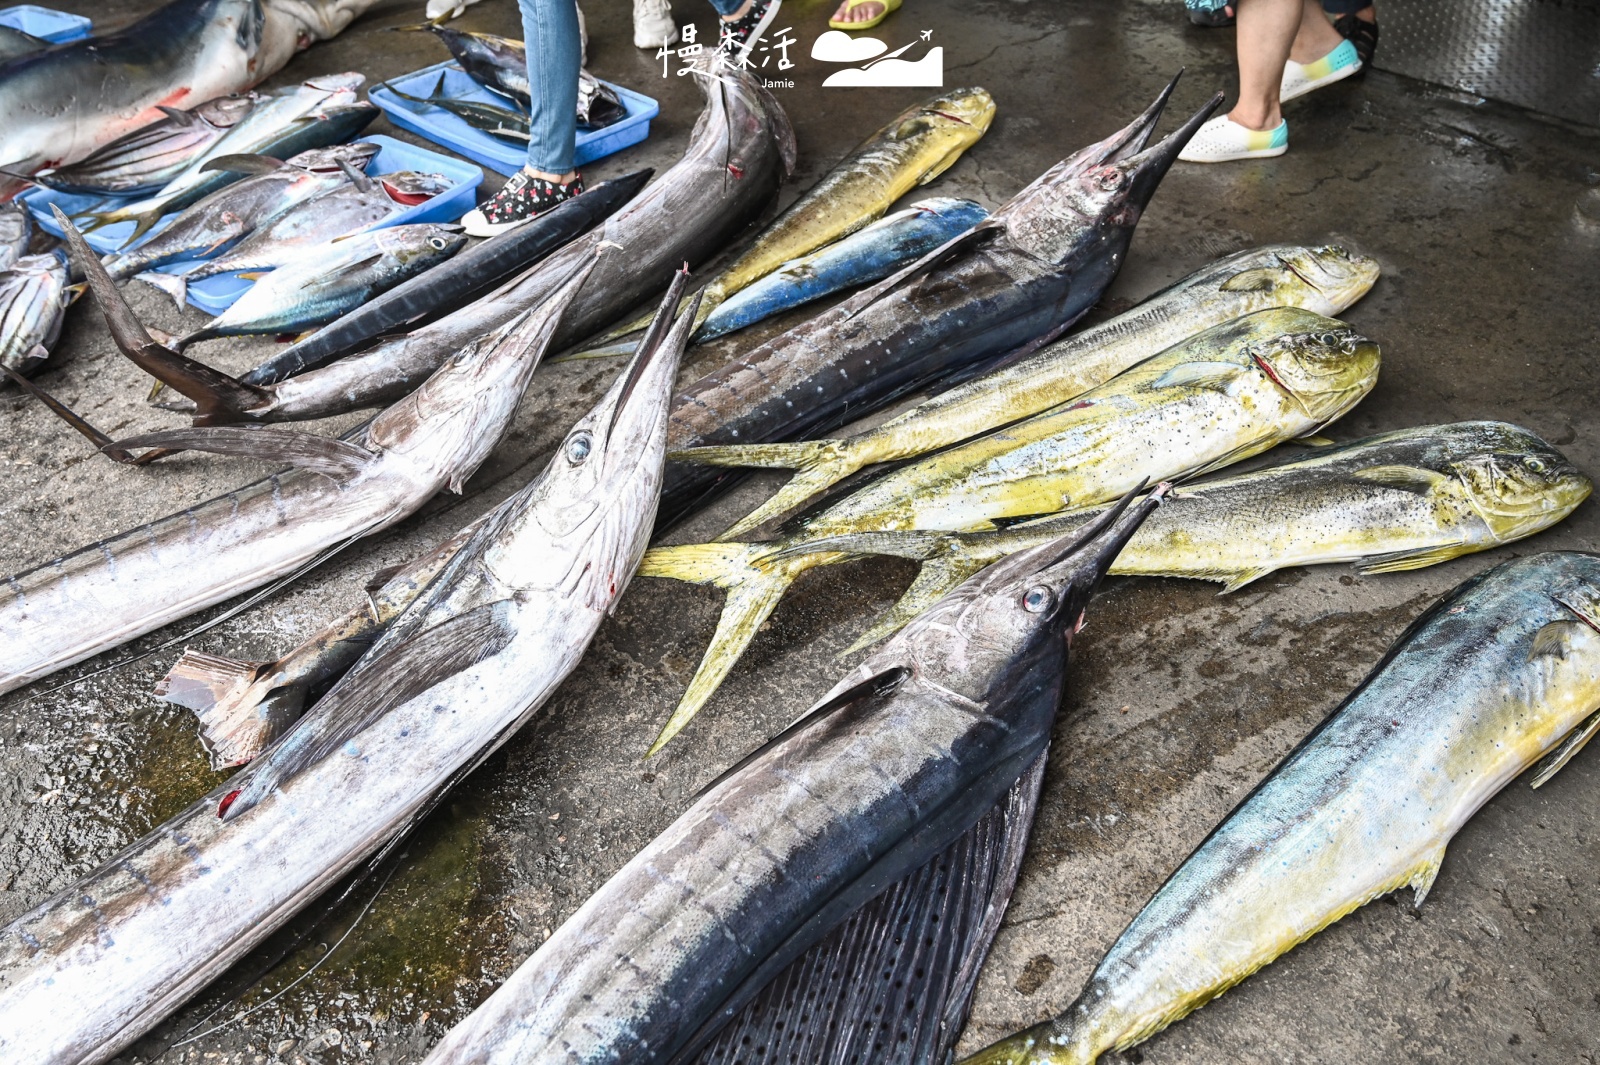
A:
(1135, 136)
(945, 114)
(1075, 563)
(1147, 168)
(659, 340)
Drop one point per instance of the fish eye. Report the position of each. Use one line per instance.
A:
(1038, 599)
(1535, 465)
(438, 243)
(577, 448)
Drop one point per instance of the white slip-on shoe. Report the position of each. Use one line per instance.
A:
(1301, 78)
(1222, 140)
(652, 24)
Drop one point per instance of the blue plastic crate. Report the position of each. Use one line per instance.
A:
(215, 294)
(507, 157)
(57, 27)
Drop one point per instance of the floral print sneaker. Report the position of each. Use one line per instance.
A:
(523, 199)
(741, 35)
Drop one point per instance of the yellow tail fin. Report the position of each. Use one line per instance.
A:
(818, 465)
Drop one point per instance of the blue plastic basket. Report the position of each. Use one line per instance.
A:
(507, 157)
(57, 27)
(215, 294)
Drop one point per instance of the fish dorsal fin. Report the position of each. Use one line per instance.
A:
(358, 177)
(320, 454)
(247, 164)
(892, 983)
(390, 676)
(343, 271)
(1401, 561)
(1217, 375)
(1407, 478)
(1552, 763)
(981, 233)
(1423, 876)
(874, 686)
(1261, 279)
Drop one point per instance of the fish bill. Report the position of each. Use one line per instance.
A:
(1501, 672)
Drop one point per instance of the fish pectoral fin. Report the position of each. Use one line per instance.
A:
(874, 686)
(1554, 640)
(920, 922)
(1423, 876)
(234, 724)
(1552, 763)
(1314, 441)
(245, 164)
(400, 671)
(335, 458)
(174, 285)
(1215, 375)
(1401, 561)
(343, 271)
(1406, 478)
(1261, 279)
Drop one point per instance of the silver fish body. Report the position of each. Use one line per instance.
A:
(33, 302)
(149, 157)
(493, 637)
(14, 43)
(332, 279)
(1499, 673)
(16, 230)
(892, 767)
(108, 593)
(216, 222)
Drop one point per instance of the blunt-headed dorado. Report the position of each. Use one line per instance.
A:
(1229, 393)
(1322, 279)
(1396, 501)
(455, 676)
(1497, 674)
(921, 143)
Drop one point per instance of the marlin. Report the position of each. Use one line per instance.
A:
(455, 676)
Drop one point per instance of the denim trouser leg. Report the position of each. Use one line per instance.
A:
(550, 28)
(727, 7)
(1344, 7)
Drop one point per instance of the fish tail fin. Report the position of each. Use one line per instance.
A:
(236, 721)
(100, 440)
(936, 578)
(754, 590)
(818, 464)
(174, 285)
(218, 398)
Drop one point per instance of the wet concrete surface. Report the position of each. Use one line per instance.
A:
(1181, 700)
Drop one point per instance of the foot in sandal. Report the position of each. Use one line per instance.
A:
(862, 14)
(1222, 140)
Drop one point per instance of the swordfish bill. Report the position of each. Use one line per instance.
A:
(881, 833)
(741, 151)
(457, 674)
(110, 592)
(1008, 285)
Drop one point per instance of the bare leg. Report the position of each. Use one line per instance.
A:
(1270, 33)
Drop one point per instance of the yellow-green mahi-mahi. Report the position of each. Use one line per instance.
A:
(1498, 673)
(1231, 392)
(1396, 501)
(1324, 279)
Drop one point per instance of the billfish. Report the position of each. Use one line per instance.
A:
(1392, 502)
(454, 677)
(1501, 672)
(1233, 391)
(1325, 279)
(831, 898)
(15, 43)
(869, 254)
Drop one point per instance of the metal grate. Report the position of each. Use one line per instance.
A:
(1540, 54)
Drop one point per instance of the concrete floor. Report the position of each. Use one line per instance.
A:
(1181, 700)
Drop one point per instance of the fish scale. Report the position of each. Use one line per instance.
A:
(33, 303)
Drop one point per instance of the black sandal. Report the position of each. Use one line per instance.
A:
(523, 199)
(1362, 34)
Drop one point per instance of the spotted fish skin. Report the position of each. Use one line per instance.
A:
(1493, 677)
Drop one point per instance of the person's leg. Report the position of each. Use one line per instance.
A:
(742, 24)
(1357, 22)
(550, 29)
(1267, 30)
(862, 12)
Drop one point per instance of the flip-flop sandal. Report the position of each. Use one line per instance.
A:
(1222, 140)
(1301, 78)
(889, 8)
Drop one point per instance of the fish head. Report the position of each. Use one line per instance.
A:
(421, 245)
(1519, 492)
(225, 111)
(965, 112)
(1575, 586)
(358, 155)
(341, 88)
(1091, 203)
(1022, 611)
(1325, 366)
(1325, 278)
(411, 187)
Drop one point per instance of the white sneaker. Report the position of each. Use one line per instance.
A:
(652, 24)
(1222, 140)
(1301, 78)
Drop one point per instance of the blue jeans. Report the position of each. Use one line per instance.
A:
(550, 31)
